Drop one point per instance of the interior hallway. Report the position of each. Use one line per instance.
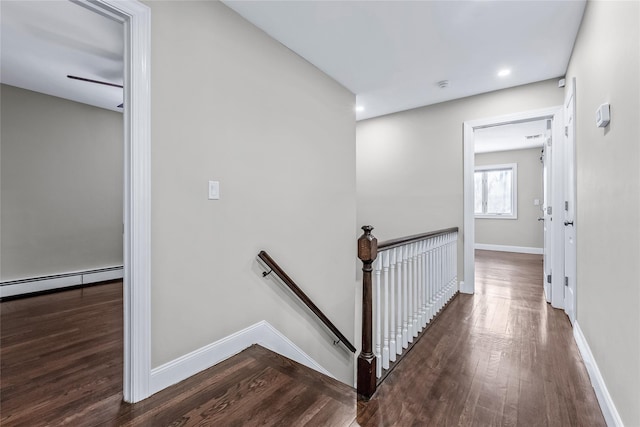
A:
(500, 357)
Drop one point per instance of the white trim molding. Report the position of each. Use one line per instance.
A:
(505, 248)
(136, 19)
(609, 411)
(261, 333)
(59, 281)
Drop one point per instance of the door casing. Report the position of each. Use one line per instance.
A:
(548, 191)
(136, 20)
(569, 209)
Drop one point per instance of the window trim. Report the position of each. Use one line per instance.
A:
(514, 190)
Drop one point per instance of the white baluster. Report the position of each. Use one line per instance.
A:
(440, 272)
(436, 264)
(426, 282)
(432, 278)
(412, 293)
(405, 299)
(452, 272)
(441, 283)
(449, 268)
(378, 330)
(447, 277)
(392, 304)
(385, 304)
(398, 264)
(420, 286)
(449, 257)
(455, 263)
(423, 281)
(414, 258)
(445, 269)
(409, 293)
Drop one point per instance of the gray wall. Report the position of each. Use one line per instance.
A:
(409, 164)
(605, 64)
(61, 185)
(525, 230)
(231, 104)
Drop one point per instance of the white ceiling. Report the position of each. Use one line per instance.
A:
(391, 54)
(44, 41)
(517, 136)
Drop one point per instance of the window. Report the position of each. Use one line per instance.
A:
(495, 190)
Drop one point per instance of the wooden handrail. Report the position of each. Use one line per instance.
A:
(393, 243)
(269, 262)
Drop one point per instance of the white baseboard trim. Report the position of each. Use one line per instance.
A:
(504, 248)
(611, 415)
(275, 341)
(46, 283)
(261, 333)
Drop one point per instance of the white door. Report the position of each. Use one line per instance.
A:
(544, 211)
(570, 205)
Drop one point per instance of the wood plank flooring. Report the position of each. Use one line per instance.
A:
(500, 357)
(61, 357)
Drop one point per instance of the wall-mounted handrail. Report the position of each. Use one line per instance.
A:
(275, 268)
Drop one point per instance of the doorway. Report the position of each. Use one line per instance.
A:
(513, 189)
(135, 19)
(554, 242)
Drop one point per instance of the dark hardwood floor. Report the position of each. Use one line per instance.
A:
(500, 357)
(61, 357)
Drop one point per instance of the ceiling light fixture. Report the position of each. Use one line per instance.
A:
(504, 73)
(359, 108)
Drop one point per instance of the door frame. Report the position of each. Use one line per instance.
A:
(136, 20)
(547, 193)
(570, 206)
(556, 114)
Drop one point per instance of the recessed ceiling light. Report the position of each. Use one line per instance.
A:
(504, 73)
(359, 108)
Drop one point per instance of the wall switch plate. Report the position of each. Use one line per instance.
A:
(214, 190)
(603, 115)
(536, 202)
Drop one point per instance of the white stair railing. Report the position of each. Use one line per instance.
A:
(413, 279)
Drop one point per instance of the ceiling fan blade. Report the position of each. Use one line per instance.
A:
(94, 81)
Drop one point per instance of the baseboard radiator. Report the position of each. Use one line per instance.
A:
(32, 285)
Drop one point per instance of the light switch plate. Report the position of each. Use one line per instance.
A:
(603, 116)
(214, 190)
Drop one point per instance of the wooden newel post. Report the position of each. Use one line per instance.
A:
(367, 252)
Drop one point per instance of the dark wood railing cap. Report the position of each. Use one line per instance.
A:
(393, 243)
